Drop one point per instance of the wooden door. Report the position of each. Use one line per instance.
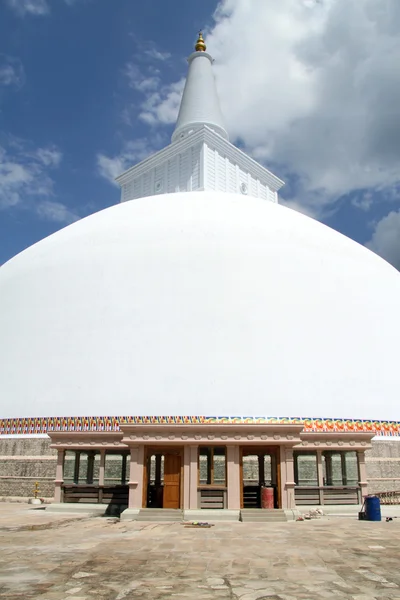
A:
(172, 480)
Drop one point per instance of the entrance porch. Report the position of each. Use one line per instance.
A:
(218, 468)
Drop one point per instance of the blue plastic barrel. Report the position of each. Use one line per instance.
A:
(373, 508)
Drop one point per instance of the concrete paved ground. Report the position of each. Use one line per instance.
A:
(63, 557)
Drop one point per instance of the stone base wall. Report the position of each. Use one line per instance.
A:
(23, 461)
(383, 466)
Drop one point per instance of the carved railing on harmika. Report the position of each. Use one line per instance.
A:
(392, 497)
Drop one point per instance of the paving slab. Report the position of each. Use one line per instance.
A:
(26, 516)
(94, 558)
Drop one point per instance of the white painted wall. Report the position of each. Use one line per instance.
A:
(200, 104)
(199, 303)
(202, 165)
(177, 173)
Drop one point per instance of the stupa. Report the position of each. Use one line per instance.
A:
(200, 345)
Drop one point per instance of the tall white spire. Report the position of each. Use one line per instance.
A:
(200, 157)
(200, 104)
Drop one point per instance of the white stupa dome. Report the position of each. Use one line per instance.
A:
(199, 304)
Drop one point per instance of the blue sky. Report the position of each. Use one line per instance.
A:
(72, 96)
(89, 87)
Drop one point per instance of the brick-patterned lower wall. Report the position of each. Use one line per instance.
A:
(23, 488)
(383, 466)
(23, 461)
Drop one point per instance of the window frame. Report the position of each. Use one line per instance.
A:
(328, 477)
(296, 455)
(210, 467)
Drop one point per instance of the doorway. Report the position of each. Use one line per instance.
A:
(163, 478)
(259, 468)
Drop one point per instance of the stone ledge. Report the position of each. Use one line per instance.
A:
(293, 514)
(70, 507)
(130, 514)
(211, 515)
(23, 499)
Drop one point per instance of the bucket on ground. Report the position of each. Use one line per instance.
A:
(373, 508)
(267, 497)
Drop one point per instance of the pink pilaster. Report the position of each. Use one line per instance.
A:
(233, 472)
(136, 477)
(102, 466)
(320, 474)
(287, 477)
(193, 477)
(59, 480)
(362, 474)
(186, 477)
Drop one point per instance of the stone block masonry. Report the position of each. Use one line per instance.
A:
(23, 461)
(383, 466)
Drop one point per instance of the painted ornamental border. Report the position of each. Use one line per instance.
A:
(71, 424)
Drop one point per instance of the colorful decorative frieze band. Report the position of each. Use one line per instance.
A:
(71, 424)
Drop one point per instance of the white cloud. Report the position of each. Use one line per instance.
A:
(14, 177)
(55, 211)
(160, 102)
(132, 153)
(25, 180)
(35, 7)
(32, 7)
(152, 52)
(111, 167)
(11, 71)
(140, 82)
(312, 89)
(385, 239)
(162, 106)
(50, 157)
(364, 200)
(147, 50)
